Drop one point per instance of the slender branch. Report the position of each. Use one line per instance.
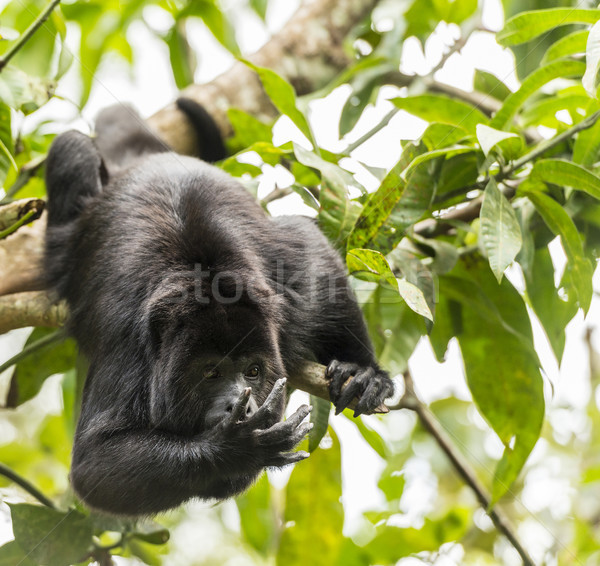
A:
(24, 220)
(26, 36)
(26, 485)
(472, 211)
(30, 348)
(368, 135)
(406, 81)
(545, 146)
(276, 194)
(411, 402)
(14, 212)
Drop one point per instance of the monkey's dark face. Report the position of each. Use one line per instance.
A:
(204, 358)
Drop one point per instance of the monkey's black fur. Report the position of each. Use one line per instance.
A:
(191, 304)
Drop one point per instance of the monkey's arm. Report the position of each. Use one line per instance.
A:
(132, 471)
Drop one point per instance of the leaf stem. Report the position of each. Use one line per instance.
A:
(411, 402)
(545, 146)
(26, 35)
(30, 348)
(26, 485)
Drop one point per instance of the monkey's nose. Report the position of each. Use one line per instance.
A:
(251, 408)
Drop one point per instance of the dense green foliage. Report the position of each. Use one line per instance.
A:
(508, 188)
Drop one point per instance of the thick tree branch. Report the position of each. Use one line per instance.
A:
(30, 309)
(308, 52)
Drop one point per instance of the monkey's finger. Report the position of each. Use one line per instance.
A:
(268, 412)
(289, 458)
(298, 416)
(339, 373)
(370, 399)
(239, 409)
(354, 388)
(281, 437)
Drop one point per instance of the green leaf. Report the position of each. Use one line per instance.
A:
(257, 516)
(552, 310)
(314, 491)
(510, 145)
(328, 170)
(438, 136)
(319, 417)
(392, 543)
(392, 484)
(528, 25)
(49, 536)
(370, 262)
(500, 230)
(442, 109)
(150, 532)
(501, 366)
(490, 84)
(543, 112)
(23, 92)
(337, 214)
(260, 7)
(571, 44)
(283, 96)
(592, 60)
(394, 328)
(11, 553)
(6, 144)
(365, 86)
(414, 298)
(397, 203)
(449, 152)
(566, 174)
(181, 55)
(579, 269)
(31, 372)
(247, 130)
(216, 21)
(530, 85)
(587, 146)
(372, 437)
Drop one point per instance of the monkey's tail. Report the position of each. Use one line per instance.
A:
(212, 147)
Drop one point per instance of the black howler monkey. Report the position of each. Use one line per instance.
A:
(191, 305)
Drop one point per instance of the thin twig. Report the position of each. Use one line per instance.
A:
(404, 80)
(368, 135)
(411, 402)
(545, 146)
(30, 348)
(26, 35)
(276, 194)
(522, 161)
(26, 485)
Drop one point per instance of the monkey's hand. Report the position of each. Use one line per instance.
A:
(262, 440)
(370, 385)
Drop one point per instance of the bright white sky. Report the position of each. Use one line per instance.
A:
(152, 87)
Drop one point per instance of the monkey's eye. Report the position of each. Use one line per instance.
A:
(210, 372)
(253, 371)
